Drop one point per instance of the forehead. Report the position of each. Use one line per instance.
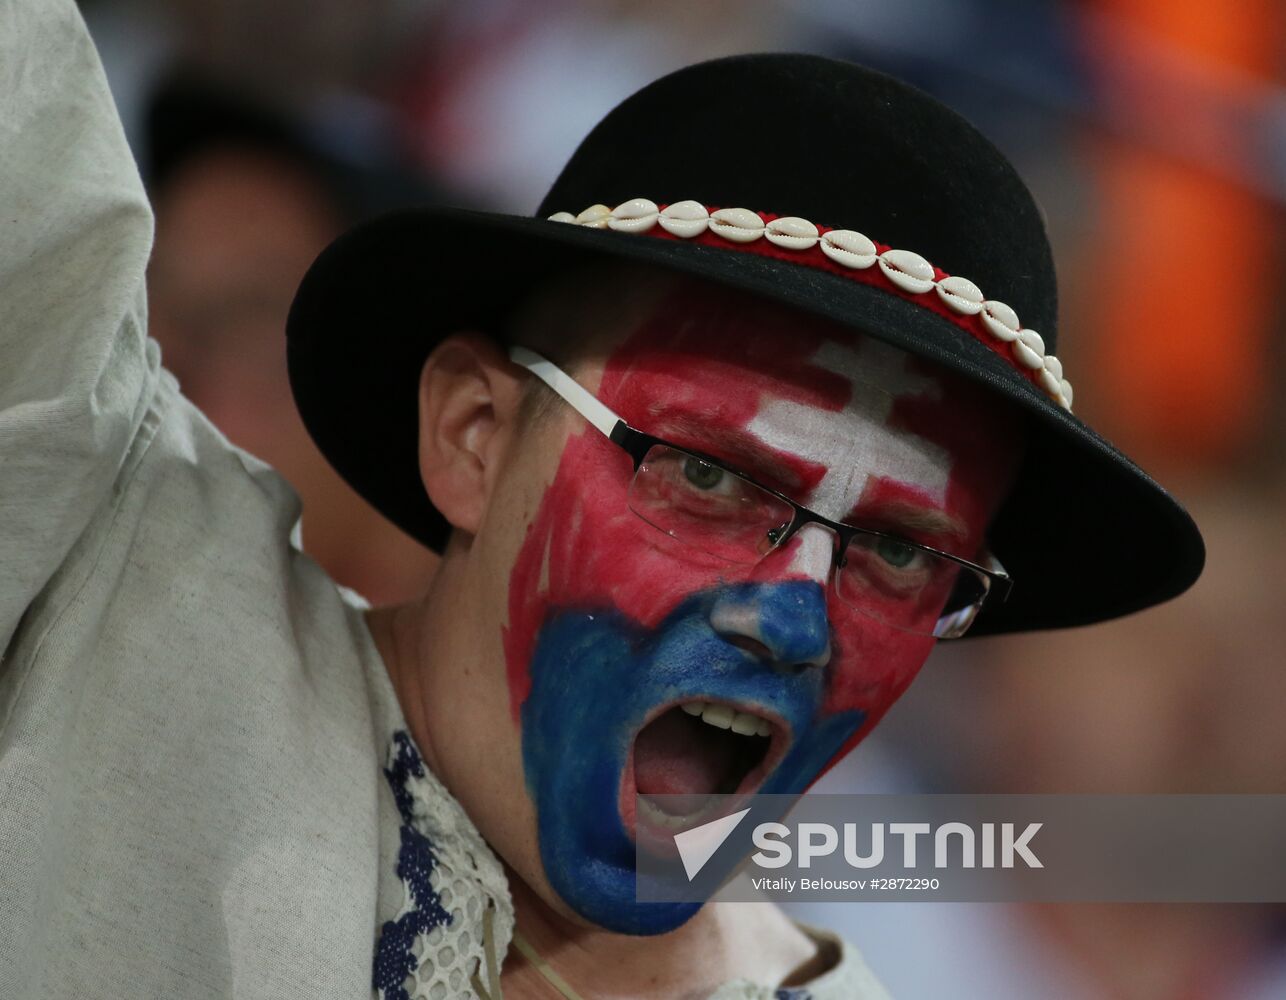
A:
(709, 360)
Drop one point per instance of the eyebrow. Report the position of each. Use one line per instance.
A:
(738, 449)
(904, 517)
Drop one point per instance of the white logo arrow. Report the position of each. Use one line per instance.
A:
(697, 846)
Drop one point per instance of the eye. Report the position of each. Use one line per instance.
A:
(897, 554)
(701, 474)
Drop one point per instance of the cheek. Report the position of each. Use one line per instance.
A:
(586, 549)
(872, 665)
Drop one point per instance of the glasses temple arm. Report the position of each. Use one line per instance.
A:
(573, 393)
(1000, 576)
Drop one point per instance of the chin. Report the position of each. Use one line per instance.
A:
(617, 712)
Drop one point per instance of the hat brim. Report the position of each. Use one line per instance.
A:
(1085, 533)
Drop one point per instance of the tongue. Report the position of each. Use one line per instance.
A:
(678, 754)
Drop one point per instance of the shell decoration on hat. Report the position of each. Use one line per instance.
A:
(904, 271)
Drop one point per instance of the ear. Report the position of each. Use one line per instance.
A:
(469, 398)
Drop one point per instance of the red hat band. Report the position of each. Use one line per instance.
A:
(852, 255)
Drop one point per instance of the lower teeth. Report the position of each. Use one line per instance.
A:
(657, 816)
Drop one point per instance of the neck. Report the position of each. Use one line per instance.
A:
(397, 635)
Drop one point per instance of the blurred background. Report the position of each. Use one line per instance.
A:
(1153, 133)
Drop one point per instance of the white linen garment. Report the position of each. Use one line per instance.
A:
(206, 787)
(194, 721)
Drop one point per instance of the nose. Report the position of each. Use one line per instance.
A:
(783, 623)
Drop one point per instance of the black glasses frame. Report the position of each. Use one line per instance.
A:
(637, 444)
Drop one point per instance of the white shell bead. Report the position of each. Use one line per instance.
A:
(1035, 341)
(1027, 357)
(961, 295)
(740, 225)
(1067, 393)
(1050, 383)
(634, 216)
(1054, 366)
(849, 248)
(685, 219)
(1000, 320)
(1029, 348)
(907, 270)
(791, 232)
(562, 217)
(595, 217)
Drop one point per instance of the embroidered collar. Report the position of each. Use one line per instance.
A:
(435, 945)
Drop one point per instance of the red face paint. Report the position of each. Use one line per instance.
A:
(718, 372)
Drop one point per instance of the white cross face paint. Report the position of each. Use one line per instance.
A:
(857, 443)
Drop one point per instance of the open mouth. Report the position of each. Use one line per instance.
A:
(691, 751)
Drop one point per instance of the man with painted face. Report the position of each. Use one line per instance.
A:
(616, 621)
(715, 447)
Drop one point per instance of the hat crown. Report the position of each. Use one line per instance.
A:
(835, 143)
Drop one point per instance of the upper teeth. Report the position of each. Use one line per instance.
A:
(727, 717)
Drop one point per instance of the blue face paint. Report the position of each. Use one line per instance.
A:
(595, 677)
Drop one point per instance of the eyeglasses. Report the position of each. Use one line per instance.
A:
(709, 507)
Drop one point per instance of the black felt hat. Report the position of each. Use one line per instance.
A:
(1085, 534)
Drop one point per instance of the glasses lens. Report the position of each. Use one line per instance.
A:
(707, 507)
(908, 587)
